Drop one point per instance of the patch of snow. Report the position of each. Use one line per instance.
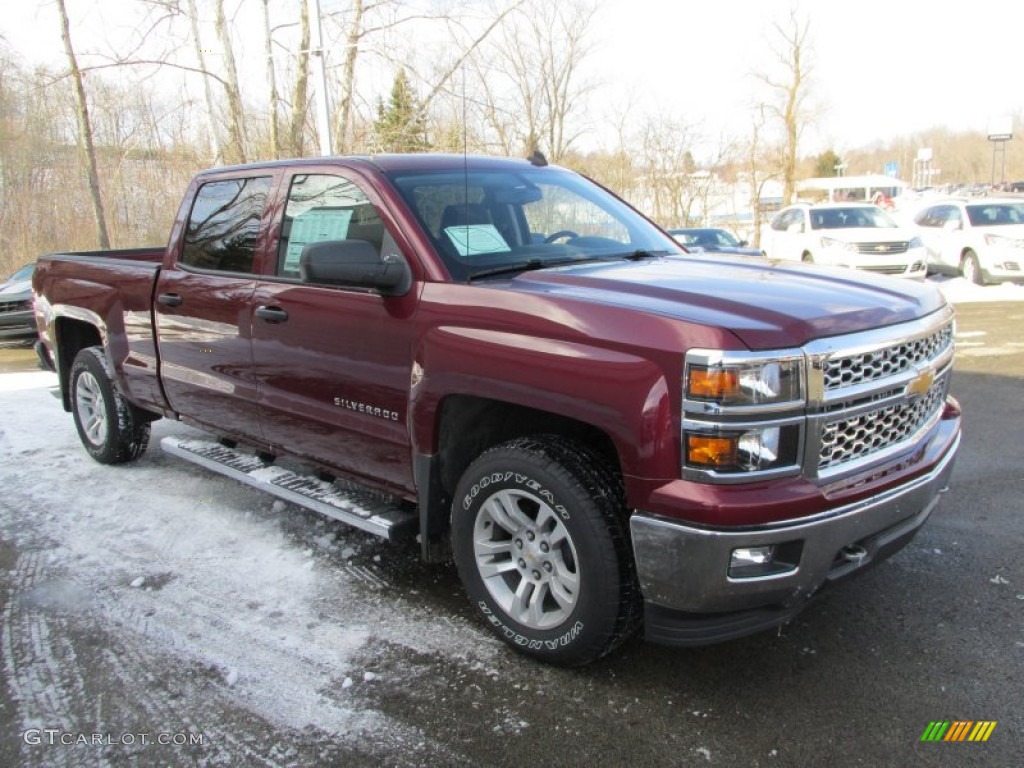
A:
(247, 593)
(961, 291)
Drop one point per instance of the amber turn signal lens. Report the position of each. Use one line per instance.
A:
(711, 451)
(714, 383)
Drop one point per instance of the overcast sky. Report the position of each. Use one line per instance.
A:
(880, 68)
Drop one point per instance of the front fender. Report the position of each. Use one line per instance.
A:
(625, 396)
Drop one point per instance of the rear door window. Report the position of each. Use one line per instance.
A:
(224, 225)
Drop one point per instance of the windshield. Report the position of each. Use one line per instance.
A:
(851, 218)
(489, 222)
(22, 274)
(995, 214)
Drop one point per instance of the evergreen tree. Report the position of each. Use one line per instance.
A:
(400, 125)
(825, 164)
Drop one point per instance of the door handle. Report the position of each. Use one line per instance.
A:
(271, 314)
(170, 299)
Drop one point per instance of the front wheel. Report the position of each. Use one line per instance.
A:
(112, 430)
(971, 269)
(540, 542)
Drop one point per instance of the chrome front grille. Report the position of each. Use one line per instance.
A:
(846, 439)
(15, 306)
(872, 394)
(841, 372)
(882, 249)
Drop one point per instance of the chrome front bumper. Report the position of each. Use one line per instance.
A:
(686, 569)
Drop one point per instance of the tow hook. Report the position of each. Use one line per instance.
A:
(854, 553)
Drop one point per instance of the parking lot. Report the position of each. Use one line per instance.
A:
(172, 617)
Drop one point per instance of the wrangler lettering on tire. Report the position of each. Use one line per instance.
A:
(539, 536)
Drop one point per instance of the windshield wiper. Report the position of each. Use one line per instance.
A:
(642, 253)
(528, 266)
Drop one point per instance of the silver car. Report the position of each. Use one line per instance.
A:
(16, 318)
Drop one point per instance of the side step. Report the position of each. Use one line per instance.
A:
(361, 507)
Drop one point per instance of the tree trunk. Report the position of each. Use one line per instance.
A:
(275, 138)
(236, 120)
(85, 132)
(348, 74)
(300, 93)
(211, 120)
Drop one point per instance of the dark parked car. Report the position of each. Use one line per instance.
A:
(713, 240)
(16, 318)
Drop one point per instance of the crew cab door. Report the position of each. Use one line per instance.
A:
(203, 305)
(332, 364)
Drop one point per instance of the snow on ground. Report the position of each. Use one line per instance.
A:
(960, 291)
(274, 608)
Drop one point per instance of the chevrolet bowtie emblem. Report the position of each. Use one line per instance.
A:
(919, 387)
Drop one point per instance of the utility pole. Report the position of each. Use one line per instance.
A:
(323, 122)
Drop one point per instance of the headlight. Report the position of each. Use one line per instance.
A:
(747, 383)
(832, 242)
(743, 414)
(1003, 242)
(915, 242)
(751, 450)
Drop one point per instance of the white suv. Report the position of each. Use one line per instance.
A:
(981, 239)
(857, 235)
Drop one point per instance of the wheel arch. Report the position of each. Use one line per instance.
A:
(469, 425)
(71, 335)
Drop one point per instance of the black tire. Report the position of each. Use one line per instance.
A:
(971, 269)
(807, 258)
(112, 430)
(541, 544)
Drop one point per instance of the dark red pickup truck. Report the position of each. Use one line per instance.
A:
(504, 359)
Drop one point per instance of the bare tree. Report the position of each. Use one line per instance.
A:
(758, 170)
(356, 31)
(211, 122)
(532, 84)
(793, 55)
(84, 131)
(275, 138)
(300, 91)
(236, 114)
(669, 170)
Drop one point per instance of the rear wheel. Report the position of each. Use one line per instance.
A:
(971, 269)
(112, 430)
(540, 541)
(807, 258)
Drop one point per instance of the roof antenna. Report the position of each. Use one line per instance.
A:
(537, 158)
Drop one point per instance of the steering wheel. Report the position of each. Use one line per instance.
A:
(566, 233)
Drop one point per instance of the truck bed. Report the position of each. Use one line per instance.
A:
(113, 290)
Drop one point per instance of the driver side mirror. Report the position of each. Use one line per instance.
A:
(795, 228)
(952, 226)
(354, 264)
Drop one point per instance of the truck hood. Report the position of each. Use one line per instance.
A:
(765, 304)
